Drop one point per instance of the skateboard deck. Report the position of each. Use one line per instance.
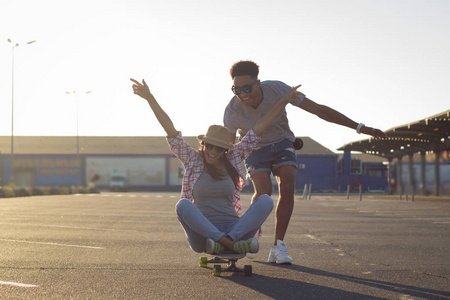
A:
(226, 258)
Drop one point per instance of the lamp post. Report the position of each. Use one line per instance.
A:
(78, 136)
(13, 46)
(76, 109)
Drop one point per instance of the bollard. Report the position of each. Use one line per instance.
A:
(406, 193)
(348, 191)
(310, 185)
(305, 190)
(360, 192)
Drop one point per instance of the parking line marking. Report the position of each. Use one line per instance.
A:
(52, 244)
(17, 284)
(72, 227)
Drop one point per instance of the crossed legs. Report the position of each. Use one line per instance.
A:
(198, 228)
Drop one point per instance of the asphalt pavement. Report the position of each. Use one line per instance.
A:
(131, 246)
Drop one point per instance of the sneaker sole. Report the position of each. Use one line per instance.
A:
(274, 261)
(280, 263)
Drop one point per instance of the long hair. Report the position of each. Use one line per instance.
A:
(217, 174)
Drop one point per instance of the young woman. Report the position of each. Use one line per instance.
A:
(209, 207)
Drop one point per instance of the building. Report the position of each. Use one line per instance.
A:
(418, 140)
(146, 163)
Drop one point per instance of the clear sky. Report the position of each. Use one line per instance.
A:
(381, 62)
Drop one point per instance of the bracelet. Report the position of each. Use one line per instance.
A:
(358, 128)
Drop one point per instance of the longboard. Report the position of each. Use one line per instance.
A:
(226, 258)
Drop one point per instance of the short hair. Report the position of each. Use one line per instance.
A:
(244, 67)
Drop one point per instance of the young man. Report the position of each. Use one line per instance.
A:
(275, 151)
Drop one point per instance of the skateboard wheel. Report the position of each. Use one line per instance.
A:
(203, 262)
(248, 270)
(217, 270)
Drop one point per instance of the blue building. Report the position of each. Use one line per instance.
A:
(148, 164)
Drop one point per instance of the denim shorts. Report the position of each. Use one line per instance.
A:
(269, 158)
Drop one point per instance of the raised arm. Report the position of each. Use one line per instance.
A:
(268, 118)
(142, 90)
(331, 115)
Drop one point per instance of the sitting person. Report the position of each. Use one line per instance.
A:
(210, 199)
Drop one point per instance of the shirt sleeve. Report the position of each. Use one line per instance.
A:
(236, 156)
(247, 144)
(182, 150)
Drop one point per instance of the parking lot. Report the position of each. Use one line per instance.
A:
(131, 246)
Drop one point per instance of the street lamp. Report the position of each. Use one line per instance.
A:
(76, 109)
(12, 100)
(78, 136)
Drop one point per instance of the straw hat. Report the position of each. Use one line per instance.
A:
(217, 135)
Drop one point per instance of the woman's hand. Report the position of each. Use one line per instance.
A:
(292, 94)
(141, 89)
(270, 116)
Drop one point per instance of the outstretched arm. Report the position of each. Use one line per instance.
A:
(268, 118)
(331, 115)
(142, 90)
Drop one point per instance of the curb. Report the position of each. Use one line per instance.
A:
(9, 192)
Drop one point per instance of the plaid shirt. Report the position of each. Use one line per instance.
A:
(193, 163)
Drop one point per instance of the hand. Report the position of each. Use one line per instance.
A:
(376, 133)
(292, 94)
(141, 89)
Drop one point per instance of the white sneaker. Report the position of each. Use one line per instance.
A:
(258, 234)
(278, 254)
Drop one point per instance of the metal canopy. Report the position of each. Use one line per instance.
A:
(429, 134)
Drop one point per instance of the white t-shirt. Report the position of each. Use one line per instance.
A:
(241, 118)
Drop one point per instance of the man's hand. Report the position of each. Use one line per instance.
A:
(376, 133)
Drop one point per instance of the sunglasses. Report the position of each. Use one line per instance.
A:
(246, 88)
(210, 147)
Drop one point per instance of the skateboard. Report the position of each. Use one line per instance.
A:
(226, 258)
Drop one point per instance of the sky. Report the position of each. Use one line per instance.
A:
(380, 62)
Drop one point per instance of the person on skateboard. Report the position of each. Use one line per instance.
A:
(209, 207)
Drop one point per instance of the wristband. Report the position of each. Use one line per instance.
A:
(358, 128)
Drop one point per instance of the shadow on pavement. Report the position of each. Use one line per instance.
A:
(278, 288)
(292, 289)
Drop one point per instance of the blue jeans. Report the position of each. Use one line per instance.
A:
(198, 228)
(271, 157)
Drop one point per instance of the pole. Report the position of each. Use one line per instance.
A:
(12, 179)
(78, 134)
(12, 176)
